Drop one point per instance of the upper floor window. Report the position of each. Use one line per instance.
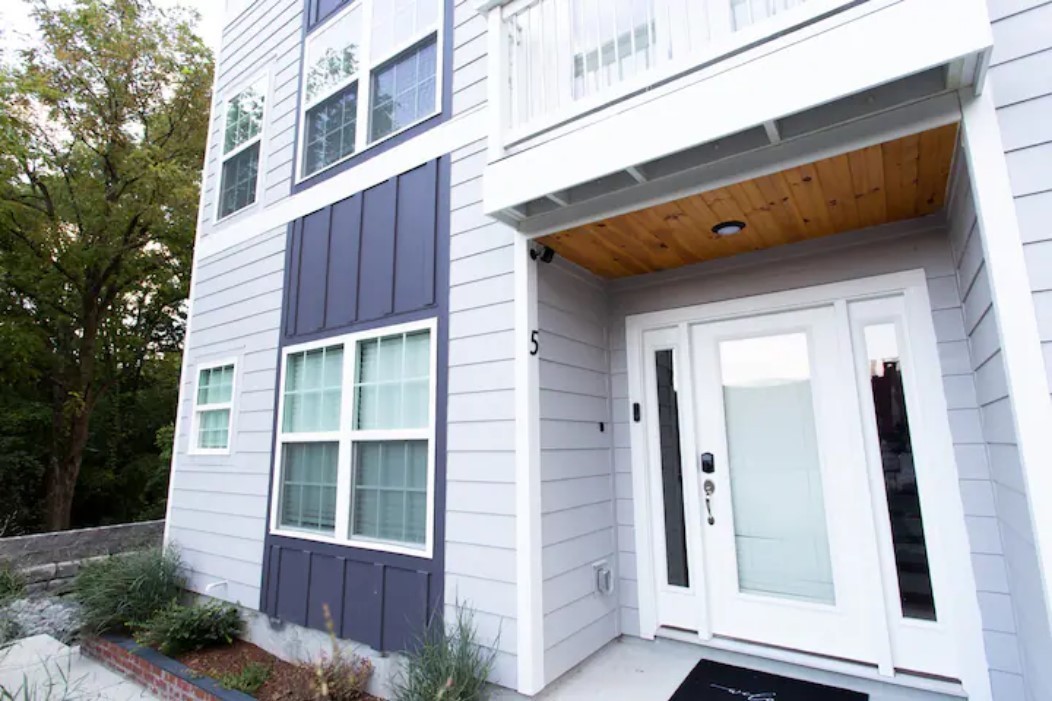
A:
(356, 440)
(213, 408)
(243, 117)
(370, 72)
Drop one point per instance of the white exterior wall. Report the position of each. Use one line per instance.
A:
(1021, 83)
(480, 468)
(884, 250)
(1000, 533)
(577, 491)
(218, 503)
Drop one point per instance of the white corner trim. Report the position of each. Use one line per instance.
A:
(528, 576)
(459, 131)
(1013, 303)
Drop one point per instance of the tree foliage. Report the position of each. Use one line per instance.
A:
(103, 127)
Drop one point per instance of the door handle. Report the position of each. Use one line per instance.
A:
(708, 463)
(710, 488)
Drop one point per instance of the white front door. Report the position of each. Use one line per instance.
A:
(785, 491)
(779, 478)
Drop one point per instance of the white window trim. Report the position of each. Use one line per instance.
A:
(262, 78)
(346, 436)
(364, 79)
(198, 409)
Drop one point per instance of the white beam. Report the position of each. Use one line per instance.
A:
(636, 174)
(1013, 303)
(773, 135)
(558, 198)
(528, 576)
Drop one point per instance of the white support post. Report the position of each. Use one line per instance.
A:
(530, 612)
(1013, 303)
(498, 93)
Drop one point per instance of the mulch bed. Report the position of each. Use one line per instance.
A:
(287, 682)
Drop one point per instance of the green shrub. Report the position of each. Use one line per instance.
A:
(339, 676)
(176, 629)
(247, 680)
(448, 665)
(11, 584)
(127, 589)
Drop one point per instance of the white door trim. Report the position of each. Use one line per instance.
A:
(963, 603)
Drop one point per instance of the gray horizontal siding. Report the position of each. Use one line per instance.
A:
(265, 39)
(1021, 81)
(217, 515)
(577, 491)
(480, 471)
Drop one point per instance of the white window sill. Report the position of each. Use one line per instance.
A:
(375, 545)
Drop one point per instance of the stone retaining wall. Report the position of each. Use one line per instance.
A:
(50, 561)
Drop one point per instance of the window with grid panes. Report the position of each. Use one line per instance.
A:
(213, 405)
(242, 137)
(362, 84)
(361, 478)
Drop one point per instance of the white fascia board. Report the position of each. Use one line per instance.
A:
(443, 139)
(871, 46)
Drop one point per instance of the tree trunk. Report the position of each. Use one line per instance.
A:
(64, 469)
(71, 416)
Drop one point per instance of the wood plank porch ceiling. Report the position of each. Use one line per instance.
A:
(890, 182)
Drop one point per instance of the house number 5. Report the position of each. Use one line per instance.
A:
(535, 344)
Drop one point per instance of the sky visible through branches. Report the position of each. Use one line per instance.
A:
(17, 26)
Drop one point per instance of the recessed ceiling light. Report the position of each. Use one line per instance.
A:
(728, 228)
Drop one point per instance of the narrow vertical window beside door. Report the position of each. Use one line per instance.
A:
(900, 477)
(671, 470)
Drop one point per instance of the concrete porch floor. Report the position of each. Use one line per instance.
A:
(633, 669)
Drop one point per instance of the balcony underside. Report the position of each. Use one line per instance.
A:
(892, 181)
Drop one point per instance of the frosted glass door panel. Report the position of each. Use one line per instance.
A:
(775, 476)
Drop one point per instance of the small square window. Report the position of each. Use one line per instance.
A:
(390, 491)
(331, 129)
(308, 486)
(313, 387)
(333, 55)
(393, 383)
(213, 408)
(403, 91)
(240, 176)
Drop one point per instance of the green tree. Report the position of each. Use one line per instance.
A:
(102, 135)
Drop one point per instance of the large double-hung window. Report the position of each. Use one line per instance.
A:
(242, 140)
(369, 73)
(356, 440)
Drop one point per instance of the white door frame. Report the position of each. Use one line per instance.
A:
(960, 602)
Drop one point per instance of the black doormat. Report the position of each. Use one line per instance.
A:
(712, 681)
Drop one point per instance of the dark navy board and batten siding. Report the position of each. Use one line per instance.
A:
(378, 258)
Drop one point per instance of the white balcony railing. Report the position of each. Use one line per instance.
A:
(567, 57)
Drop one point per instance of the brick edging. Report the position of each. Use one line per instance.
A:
(163, 676)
